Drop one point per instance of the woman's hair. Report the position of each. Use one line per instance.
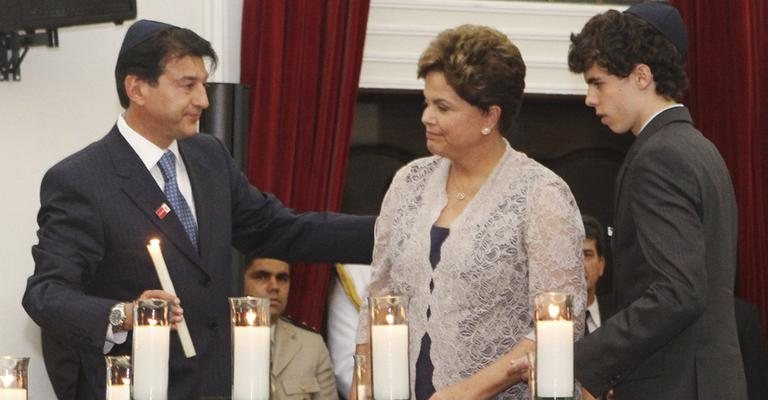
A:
(482, 65)
(620, 41)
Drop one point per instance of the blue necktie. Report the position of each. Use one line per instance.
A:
(167, 166)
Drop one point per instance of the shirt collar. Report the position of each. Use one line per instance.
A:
(656, 114)
(147, 151)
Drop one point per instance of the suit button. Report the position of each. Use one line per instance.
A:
(205, 281)
(213, 325)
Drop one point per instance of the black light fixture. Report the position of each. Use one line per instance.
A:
(28, 23)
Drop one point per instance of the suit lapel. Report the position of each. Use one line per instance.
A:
(141, 188)
(201, 179)
(286, 346)
(676, 114)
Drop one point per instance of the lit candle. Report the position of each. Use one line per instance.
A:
(118, 392)
(165, 281)
(251, 361)
(13, 394)
(389, 353)
(150, 361)
(554, 356)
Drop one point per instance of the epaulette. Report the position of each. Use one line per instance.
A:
(299, 324)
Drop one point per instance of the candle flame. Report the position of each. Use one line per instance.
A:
(7, 380)
(152, 321)
(154, 242)
(554, 311)
(390, 319)
(250, 317)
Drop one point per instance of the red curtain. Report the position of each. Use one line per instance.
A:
(728, 66)
(302, 60)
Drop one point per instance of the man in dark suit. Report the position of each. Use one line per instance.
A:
(153, 176)
(598, 306)
(674, 240)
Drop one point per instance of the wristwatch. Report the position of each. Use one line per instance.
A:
(117, 317)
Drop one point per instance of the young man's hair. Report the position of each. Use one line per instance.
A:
(147, 60)
(618, 42)
(593, 229)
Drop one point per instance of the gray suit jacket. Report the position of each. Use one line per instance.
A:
(301, 365)
(674, 334)
(97, 214)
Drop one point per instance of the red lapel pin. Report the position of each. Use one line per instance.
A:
(162, 211)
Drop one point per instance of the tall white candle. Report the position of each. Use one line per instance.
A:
(150, 362)
(165, 281)
(554, 358)
(250, 350)
(389, 353)
(13, 394)
(118, 392)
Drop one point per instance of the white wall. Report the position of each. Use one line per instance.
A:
(65, 100)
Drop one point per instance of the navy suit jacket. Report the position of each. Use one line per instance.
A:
(98, 213)
(674, 245)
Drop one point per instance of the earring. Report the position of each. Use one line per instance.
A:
(485, 131)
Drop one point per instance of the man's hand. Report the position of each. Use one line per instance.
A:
(177, 313)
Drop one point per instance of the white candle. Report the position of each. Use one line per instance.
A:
(389, 353)
(165, 281)
(554, 358)
(150, 362)
(118, 392)
(250, 350)
(13, 394)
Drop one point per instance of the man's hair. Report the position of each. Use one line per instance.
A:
(620, 41)
(147, 60)
(593, 229)
(482, 65)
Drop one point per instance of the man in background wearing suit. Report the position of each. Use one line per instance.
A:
(301, 365)
(598, 307)
(153, 176)
(674, 242)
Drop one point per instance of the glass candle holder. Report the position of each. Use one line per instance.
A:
(362, 377)
(13, 378)
(151, 345)
(554, 346)
(250, 348)
(118, 377)
(389, 347)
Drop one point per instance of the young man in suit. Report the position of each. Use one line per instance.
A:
(153, 176)
(674, 239)
(301, 365)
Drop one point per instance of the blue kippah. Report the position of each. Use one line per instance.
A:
(141, 31)
(666, 19)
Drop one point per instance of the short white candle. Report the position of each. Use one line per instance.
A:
(118, 392)
(150, 362)
(389, 353)
(13, 394)
(554, 358)
(250, 350)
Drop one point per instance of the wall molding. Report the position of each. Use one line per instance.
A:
(399, 30)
